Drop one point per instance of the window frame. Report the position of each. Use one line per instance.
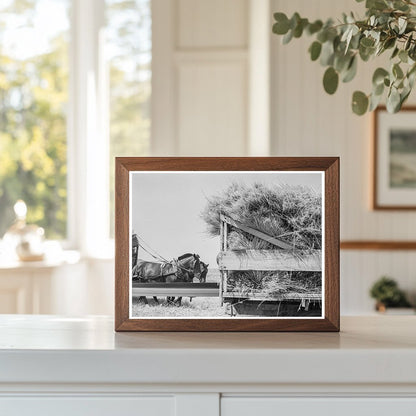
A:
(87, 133)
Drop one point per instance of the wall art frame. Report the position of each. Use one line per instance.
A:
(394, 159)
(158, 194)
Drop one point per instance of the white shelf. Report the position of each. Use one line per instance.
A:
(52, 349)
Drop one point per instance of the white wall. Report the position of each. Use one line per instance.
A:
(308, 122)
(200, 77)
(211, 92)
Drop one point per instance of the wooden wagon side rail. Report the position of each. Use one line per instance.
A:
(279, 297)
(271, 260)
(260, 234)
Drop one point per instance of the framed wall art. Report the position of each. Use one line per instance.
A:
(394, 159)
(227, 244)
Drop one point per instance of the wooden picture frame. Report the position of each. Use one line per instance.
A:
(394, 184)
(136, 171)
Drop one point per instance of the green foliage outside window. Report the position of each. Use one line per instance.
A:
(33, 99)
(34, 104)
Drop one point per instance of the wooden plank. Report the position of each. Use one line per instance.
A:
(265, 260)
(282, 296)
(256, 233)
(176, 285)
(176, 291)
(378, 245)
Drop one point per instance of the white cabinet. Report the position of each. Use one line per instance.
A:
(88, 406)
(115, 404)
(272, 406)
(80, 366)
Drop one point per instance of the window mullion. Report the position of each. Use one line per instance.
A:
(88, 137)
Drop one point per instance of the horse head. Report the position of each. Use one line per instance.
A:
(200, 269)
(203, 272)
(190, 266)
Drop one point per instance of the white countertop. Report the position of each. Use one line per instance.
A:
(50, 349)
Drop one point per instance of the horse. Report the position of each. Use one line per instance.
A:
(200, 273)
(203, 272)
(182, 269)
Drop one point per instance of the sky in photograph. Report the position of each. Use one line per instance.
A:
(166, 207)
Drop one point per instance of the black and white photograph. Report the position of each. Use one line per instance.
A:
(226, 244)
(394, 182)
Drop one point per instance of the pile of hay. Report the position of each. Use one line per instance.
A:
(289, 213)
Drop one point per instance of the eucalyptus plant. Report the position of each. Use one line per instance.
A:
(389, 27)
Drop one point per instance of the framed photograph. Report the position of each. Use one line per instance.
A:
(394, 179)
(227, 244)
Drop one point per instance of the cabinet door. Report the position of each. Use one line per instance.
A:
(274, 406)
(88, 406)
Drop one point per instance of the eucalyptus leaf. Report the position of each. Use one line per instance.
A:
(389, 43)
(366, 53)
(298, 30)
(397, 71)
(403, 56)
(378, 89)
(281, 26)
(402, 22)
(341, 62)
(359, 103)
(288, 37)
(367, 42)
(351, 70)
(294, 20)
(408, 42)
(315, 50)
(322, 36)
(395, 52)
(330, 80)
(374, 101)
(411, 78)
(393, 101)
(403, 96)
(376, 4)
(379, 75)
(327, 54)
(314, 27)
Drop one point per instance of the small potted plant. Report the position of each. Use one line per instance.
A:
(387, 294)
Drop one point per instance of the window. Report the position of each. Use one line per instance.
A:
(129, 45)
(75, 87)
(33, 98)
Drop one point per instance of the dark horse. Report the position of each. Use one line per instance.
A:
(200, 273)
(183, 269)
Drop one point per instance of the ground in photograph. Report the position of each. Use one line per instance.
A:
(208, 307)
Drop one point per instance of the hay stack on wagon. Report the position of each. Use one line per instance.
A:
(289, 213)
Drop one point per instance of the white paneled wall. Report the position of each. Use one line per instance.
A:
(222, 86)
(203, 68)
(305, 121)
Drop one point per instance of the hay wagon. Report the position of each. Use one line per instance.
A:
(284, 258)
